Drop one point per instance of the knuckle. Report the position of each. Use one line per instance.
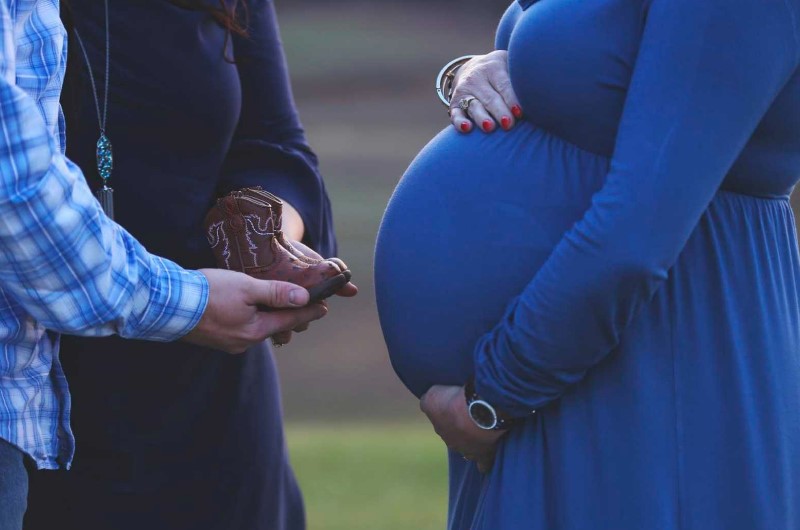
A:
(286, 319)
(259, 333)
(276, 327)
(293, 321)
(469, 80)
(253, 334)
(290, 328)
(494, 101)
(320, 312)
(273, 293)
(503, 83)
(481, 60)
(481, 89)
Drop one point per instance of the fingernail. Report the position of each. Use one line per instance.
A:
(505, 121)
(488, 125)
(516, 110)
(297, 297)
(464, 126)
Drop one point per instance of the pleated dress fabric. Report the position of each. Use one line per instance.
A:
(624, 262)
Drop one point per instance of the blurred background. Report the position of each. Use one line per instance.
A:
(363, 75)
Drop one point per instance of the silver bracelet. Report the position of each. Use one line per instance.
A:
(444, 81)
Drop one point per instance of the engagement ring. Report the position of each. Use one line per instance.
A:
(465, 103)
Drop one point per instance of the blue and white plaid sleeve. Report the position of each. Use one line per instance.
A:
(61, 258)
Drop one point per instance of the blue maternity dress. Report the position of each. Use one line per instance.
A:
(176, 436)
(624, 261)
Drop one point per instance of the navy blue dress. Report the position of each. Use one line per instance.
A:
(625, 262)
(174, 436)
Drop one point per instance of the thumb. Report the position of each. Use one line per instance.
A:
(278, 295)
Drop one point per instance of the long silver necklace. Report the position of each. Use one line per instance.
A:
(105, 153)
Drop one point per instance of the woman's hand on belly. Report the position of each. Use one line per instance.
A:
(446, 408)
(486, 79)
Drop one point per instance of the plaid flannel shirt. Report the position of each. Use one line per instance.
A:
(64, 266)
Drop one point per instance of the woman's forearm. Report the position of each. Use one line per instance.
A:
(683, 127)
(293, 225)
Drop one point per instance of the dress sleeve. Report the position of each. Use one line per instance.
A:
(269, 147)
(66, 263)
(706, 74)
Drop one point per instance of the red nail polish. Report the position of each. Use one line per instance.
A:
(505, 121)
(516, 110)
(464, 126)
(488, 125)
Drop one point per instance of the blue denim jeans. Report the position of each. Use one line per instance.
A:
(13, 487)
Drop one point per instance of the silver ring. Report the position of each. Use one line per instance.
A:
(465, 103)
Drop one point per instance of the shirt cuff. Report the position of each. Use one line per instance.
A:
(171, 304)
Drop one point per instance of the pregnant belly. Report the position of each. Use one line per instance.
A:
(470, 223)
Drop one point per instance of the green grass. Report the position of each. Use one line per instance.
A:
(371, 477)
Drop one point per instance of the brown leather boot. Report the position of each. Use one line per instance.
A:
(241, 232)
(276, 204)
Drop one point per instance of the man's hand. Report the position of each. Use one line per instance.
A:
(347, 291)
(486, 79)
(446, 408)
(232, 321)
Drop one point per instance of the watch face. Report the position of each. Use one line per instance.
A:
(483, 415)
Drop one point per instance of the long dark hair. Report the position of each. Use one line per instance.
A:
(230, 15)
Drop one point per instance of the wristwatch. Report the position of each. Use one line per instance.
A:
(483, 414)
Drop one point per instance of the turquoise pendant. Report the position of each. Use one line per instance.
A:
(105, 157)
(105, 164)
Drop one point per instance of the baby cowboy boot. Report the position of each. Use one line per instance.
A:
(277, 216)
(242, 233)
